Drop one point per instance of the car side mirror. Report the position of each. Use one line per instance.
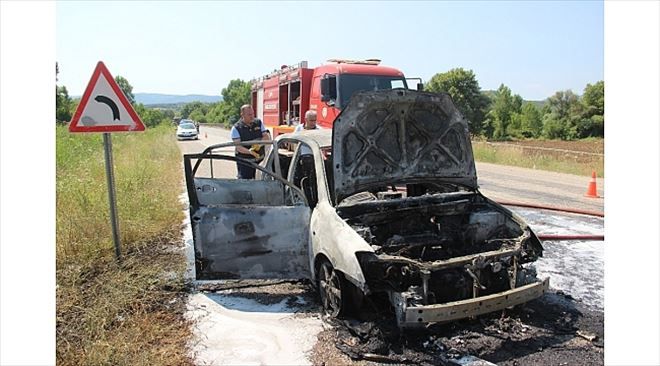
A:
(420, 85)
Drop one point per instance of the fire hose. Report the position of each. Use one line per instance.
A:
(552, 208)
(560, 237)
(552, 237)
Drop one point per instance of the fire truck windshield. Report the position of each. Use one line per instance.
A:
(351, 83)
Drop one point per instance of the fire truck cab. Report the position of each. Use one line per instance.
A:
(282, 97)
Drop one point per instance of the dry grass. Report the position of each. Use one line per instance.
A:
(129, 313)
(543, 159)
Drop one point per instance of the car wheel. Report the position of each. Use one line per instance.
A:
(332, 288)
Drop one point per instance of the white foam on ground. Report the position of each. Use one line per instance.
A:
(470, 360)
(575, 267)
(239, 331)
(187, 239)
(230, 330)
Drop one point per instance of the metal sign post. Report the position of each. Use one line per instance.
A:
(107, 147)
(104, 108)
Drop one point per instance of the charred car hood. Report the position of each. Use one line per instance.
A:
(400, 136)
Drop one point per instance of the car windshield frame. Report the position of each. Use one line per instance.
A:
(376, 82)
(188, 126)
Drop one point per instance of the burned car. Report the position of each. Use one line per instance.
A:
(385, 202)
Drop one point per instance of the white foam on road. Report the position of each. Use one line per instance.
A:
(238, 331)
(187, 239)
(231, 330)
(575, 267)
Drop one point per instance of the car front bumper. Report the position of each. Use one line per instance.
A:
(416, 316)
(187, 137)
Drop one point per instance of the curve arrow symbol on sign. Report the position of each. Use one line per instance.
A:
(111, 104)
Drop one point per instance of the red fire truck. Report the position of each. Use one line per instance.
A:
(283, 96)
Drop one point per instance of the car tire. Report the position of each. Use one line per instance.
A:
(338, 296)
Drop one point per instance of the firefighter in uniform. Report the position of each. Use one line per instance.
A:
(246, 129)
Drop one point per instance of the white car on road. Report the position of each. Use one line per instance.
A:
(187, 131)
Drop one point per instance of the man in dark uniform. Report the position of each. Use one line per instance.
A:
(248, 128)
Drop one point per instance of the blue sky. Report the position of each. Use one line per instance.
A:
(535, 48)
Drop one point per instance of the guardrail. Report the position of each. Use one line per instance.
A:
(538, 148)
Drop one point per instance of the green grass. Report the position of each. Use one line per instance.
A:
(129, 313)
(577, 164)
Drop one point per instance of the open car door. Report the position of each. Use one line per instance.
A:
(245, 229)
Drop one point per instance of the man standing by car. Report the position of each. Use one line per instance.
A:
(248, 128)
(306, 160)
(310, 122)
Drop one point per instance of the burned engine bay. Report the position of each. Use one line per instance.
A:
(443, 247)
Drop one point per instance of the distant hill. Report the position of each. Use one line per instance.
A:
(173, 106)
(155, 98)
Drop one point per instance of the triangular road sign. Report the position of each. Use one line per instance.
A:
(104, 107)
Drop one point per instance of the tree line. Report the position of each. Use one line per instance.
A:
(226, 111)
(502, 115)
(496, 115)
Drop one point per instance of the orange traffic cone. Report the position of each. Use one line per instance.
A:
(592, 191)
(206, 136)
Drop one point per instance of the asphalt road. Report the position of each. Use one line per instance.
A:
(507, 183)
(210, 136)
(498, 182)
